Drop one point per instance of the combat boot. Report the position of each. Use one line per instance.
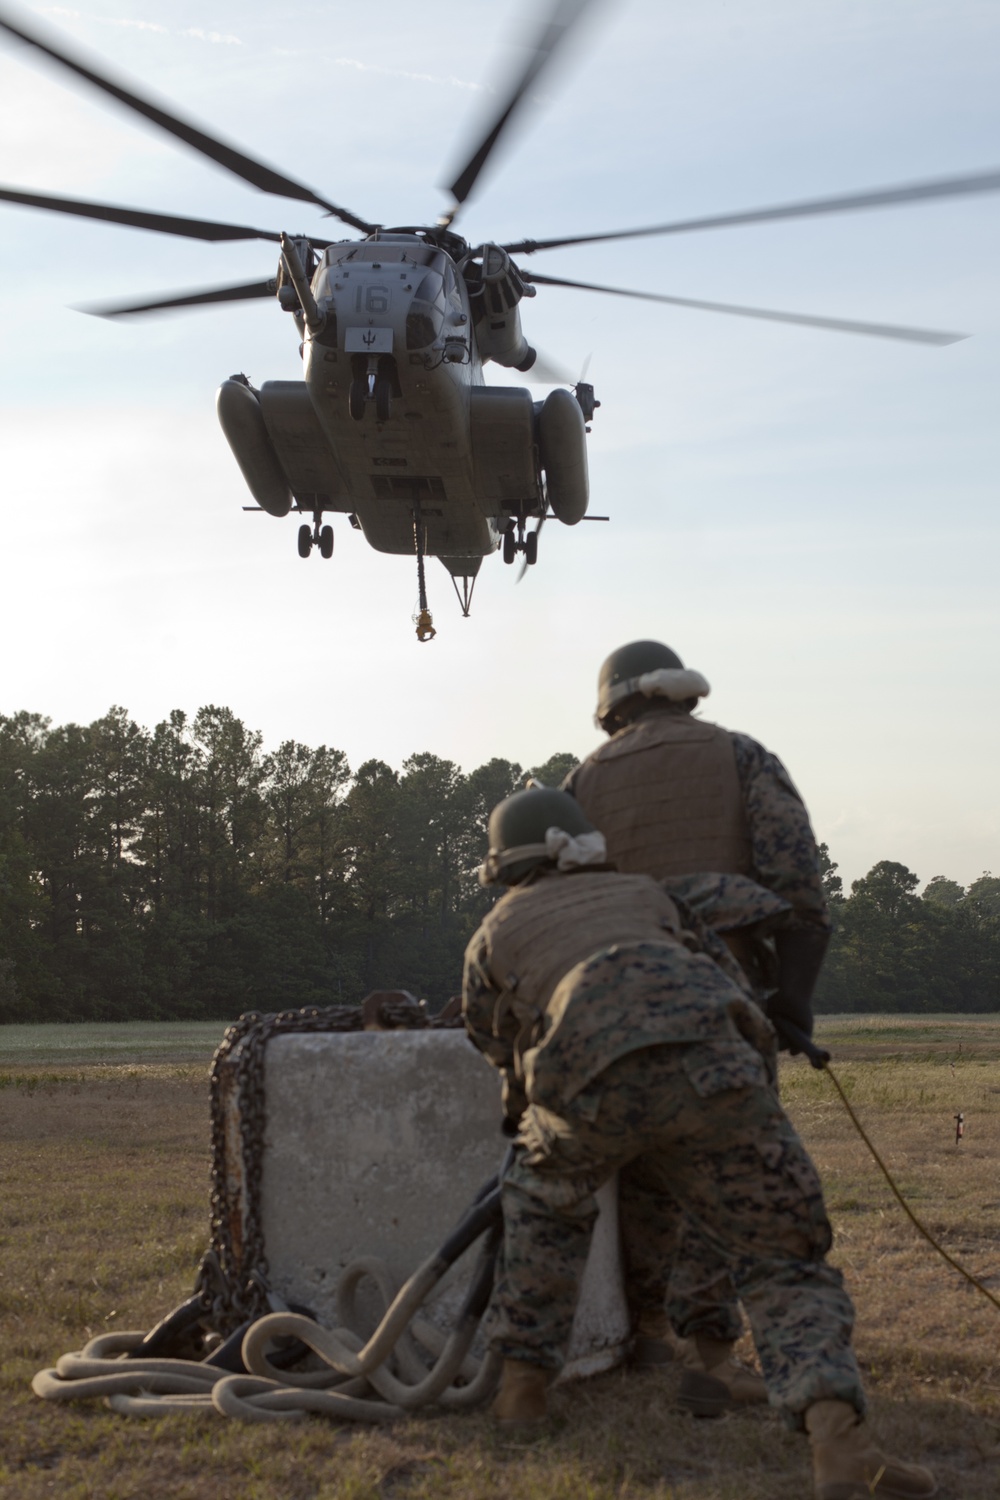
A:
(654, 1342)
(848, 1466)
(714, 1381)
(521, 1400)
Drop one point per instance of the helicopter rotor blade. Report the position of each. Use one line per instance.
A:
(203, 298)
(139, 218)
(255, 172)
(564, 16)
(911, 192)
(835, 325)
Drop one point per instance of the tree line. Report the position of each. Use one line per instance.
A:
(185, 872)
(894, 950)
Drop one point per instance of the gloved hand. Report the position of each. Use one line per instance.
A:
(800, 957)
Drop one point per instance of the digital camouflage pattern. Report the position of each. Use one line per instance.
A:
(632, 996)
(697, 1130)
(727, 903)
(785, 857)
(735, 917)
(683, 988)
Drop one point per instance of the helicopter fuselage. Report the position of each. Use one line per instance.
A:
(393, 421)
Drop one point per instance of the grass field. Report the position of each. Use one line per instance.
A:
(103, 1215)
(109, 1042)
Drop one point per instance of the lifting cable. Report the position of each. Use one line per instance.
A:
(819, 1058)
(425, 623)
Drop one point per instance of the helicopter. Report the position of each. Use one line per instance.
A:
(393, 424)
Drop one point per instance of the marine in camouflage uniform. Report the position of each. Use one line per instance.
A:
(675, 797)
(626, 1047)
(646, 1058)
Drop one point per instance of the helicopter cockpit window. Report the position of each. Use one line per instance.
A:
(431, 289)
(425, 317)
(452, 291)
(431, 258)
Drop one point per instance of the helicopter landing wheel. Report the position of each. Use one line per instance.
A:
(531, 548)
(305, 541)
(326, 542)
(356, 399)
(383, 399)
(509, 546)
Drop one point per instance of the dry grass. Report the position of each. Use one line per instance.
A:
(116, 1042)
(103, 1216)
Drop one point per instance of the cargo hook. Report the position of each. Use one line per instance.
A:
(425, 624)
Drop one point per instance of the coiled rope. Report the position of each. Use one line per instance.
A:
(356, 1384)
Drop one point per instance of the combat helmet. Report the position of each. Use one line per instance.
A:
(637, 673)
(539, 826)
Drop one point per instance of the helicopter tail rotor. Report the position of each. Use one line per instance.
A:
(548, 371)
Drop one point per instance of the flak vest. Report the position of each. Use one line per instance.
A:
(538, 932)
(665, 792)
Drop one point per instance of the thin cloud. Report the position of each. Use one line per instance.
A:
(217, 38)
(132, 25)
(452, 82)
(363, 67)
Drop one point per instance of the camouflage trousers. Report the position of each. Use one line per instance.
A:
(700, 1295)
(697, 1135)
(700, 1299)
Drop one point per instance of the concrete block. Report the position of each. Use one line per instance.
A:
(375, 1145)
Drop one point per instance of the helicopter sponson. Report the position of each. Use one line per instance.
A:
(392, 423)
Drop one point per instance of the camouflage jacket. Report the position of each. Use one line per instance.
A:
(672, 989)
(740, 917)
(785, 856)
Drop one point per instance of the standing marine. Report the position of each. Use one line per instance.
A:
(625, 1046)
(677, 797)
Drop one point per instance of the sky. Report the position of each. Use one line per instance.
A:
(809, 519)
